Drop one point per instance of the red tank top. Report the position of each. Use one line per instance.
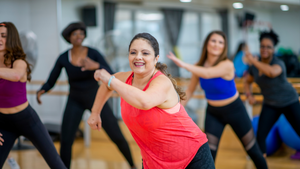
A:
(166, 140)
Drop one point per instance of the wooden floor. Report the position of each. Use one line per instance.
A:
(103, 154)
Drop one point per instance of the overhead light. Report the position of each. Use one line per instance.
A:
(284, 7)
(237, 5)
(185, 0)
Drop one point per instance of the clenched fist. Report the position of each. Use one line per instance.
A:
(102, 75)
(95, 121)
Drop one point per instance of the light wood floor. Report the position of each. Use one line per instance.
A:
(103, 154)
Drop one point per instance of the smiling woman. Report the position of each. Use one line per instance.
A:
(16, 115)
(80, 63)
(216, 76)
(151, 109)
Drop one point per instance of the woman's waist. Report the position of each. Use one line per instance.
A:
(223, 102)
(15, 109)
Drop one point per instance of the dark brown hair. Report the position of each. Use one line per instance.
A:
(222, 57)
(160, 66)
(14, 50)
(269, 35)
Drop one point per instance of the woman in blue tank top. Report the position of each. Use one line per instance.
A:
(216, 76)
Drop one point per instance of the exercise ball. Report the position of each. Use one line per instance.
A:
(273, 140)
(288, 134)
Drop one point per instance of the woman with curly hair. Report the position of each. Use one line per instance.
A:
(80, 63)
(279, 95)
(16, 115)
(151, 109)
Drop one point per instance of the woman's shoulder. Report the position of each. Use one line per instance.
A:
(92, 50)
(226, 62)
(162, 78)
(123, 76)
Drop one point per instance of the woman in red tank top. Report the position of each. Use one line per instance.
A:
(151, 109)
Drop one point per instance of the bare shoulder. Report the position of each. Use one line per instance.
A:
(226, 63)
(123, 76)
(162, 80)
(19, 63)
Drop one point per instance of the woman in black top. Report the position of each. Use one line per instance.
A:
(279, 95)
(80, 63)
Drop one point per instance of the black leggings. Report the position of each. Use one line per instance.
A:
(270, 114)
(236, 116)
(76, 104)
(202, 160)
(28, 124)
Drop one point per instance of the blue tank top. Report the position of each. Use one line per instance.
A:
(218, 88)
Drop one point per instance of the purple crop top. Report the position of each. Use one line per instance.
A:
(12, 94)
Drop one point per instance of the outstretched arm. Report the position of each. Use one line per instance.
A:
(248, 80)
(144, 100)
(102, 96)
(271, 71)
(220, 70)
(190, 90)
(51, 80)
(16, 73)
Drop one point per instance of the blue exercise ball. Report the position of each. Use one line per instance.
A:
(273, 140)
(288, 134)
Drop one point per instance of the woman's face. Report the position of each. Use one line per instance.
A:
(142, 58)
(3, 35)
(215, 45)
(266, 48)
(77, 37)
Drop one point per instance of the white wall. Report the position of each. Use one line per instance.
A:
(71, 12)
(236, 34)
(287, 25)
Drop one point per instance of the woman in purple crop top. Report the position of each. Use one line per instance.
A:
(216, 75)
(16, 115)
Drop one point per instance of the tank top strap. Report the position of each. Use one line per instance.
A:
(129, 79)
(154, 76)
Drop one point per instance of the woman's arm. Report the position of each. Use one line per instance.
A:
(102, 96)
(155, 95)
(248, 80)
(51, 80)
(220, 70)
(53, 75)
(190, 90)
(103, 64)
(271, 71)
(16, 73)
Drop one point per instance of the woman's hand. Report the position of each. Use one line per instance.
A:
(177, 61)
(102, 75)
(250, 58)
(1, 140)
(38, 96)
(88, 64)
(95, 121)
(251, 99)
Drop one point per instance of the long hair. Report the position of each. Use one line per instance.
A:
(240, 48)
(222, 57)
(14, 48)
(160, 66)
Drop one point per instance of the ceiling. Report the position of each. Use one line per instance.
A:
(265, 4)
